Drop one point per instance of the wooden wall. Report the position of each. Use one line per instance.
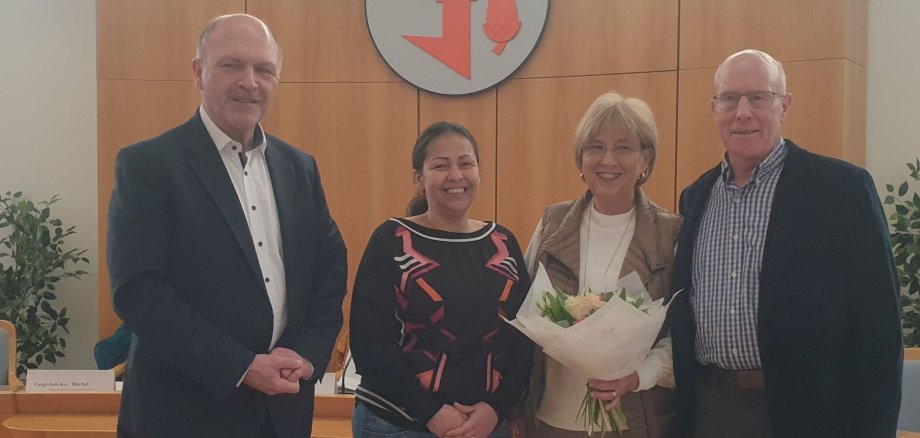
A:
(340, 102)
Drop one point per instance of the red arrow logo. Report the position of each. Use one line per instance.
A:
(502, 23)
(453, 47)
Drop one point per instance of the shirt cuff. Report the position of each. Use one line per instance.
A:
(240, 382)
(649, 372)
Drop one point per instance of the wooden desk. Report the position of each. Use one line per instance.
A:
(95, 415)
(906, 434)
(64, 415)
(332, 416)
(7, 410)
(62, 425)
(39, 403)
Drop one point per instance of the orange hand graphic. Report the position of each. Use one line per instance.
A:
(502, 23)
(453, 47)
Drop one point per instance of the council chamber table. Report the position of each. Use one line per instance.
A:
(95, 415)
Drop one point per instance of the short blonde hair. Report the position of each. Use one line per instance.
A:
(611, 109)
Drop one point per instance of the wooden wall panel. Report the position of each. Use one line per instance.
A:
(536, 126)
(698, 146)
(854, 113)
(593, 37)
(477, 113)
(856, 33)
(361, 136)
(152, 39)
(827, 94)
(130, 111)
(323, 40)
(790, 30)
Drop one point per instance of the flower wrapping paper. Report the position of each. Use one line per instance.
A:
(608, 344)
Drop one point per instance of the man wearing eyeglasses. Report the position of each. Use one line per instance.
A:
(789, 324)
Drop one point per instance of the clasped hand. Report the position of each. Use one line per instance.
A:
(278, 372)
(612, 390)
(462, 421)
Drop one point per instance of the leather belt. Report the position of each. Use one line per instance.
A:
(744, 380)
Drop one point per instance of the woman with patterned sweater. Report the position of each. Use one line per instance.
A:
(427, 335)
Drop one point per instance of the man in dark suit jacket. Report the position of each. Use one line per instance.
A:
(789, 325)
(224, 260)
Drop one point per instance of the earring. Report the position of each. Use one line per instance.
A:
(642, 175)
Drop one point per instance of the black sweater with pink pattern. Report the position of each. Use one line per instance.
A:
(426, 321)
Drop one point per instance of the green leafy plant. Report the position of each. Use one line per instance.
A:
(32, 261)
(905, 243)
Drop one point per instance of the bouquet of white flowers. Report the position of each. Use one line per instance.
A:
(569, 327)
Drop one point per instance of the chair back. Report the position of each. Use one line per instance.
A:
(8, 355)
(909, 417)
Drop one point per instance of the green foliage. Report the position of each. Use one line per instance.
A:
(32, 261)
(905, 244)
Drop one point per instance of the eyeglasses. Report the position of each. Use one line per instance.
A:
(756, 99)
(594, 150)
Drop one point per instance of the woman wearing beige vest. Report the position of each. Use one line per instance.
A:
(592, 241)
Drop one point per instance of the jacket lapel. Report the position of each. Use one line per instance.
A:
(785, 213)
(564, 245)
(205, 162)
(287, 199)
(643, 255)
(697, 197)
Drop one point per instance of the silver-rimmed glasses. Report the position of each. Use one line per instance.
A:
(756, 99)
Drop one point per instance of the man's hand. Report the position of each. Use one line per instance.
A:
(264, 375)
(446, 419)
(482, 420)
(305, 371)
(612, 390)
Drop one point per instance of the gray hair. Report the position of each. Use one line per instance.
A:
(774, 68)
(208, 28)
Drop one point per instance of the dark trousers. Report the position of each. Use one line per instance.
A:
(722, 411)
(267, 430)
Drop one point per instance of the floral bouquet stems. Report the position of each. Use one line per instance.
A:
(566, 311)
(567, 328)
(598, 419)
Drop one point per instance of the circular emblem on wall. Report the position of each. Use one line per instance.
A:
(455, 46)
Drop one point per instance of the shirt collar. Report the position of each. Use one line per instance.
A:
(222, 140)
(766, 167)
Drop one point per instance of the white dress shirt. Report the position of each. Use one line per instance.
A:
(253, 187)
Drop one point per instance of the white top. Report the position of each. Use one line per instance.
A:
(603, 256)
(253, 187)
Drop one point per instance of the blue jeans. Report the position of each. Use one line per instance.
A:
(365, 424)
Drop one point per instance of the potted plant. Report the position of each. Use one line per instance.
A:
(905, 244)
(32, 261)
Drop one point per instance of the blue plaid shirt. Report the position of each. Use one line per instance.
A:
(726, 265)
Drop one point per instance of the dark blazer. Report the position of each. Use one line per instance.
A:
(186, 280)
(828, 317)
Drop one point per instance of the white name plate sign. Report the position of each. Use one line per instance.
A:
(70, 380)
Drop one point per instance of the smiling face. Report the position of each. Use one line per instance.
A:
(748, 134)
(238, 74)
(611, 163)
(449, 175)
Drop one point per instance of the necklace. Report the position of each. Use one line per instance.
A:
(629, 223)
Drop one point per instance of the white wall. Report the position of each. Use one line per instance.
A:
(893, 134)
(48, 140)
